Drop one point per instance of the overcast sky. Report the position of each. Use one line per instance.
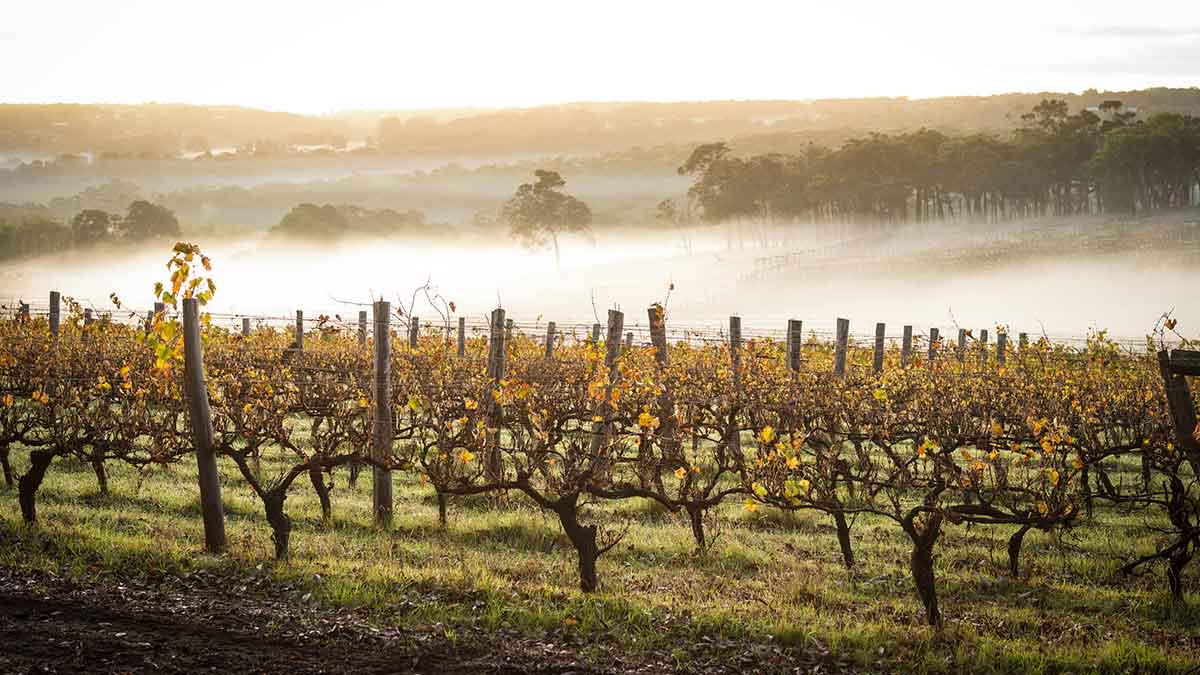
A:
(317, 57)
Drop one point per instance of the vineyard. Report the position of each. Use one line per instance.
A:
(876, 478)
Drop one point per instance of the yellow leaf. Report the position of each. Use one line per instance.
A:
(680, 473)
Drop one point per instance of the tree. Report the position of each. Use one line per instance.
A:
(312, 221)
(146, 220)
(91, 226)
(538, 212)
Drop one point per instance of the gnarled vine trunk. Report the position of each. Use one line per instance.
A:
(843, 535)
(28, 484)
(322, 489)
(696, 516)
(281, 525)
(921, 564)
(1014, 550)
(583, 538)
(441, 497)
(101, 474)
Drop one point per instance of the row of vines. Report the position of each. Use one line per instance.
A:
(934, 443)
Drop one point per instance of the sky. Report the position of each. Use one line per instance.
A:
(318, 57)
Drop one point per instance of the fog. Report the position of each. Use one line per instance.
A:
(1057, 294)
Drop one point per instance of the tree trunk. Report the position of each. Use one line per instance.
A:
(583, 538)
(354, 469)
(8, 472)
(281, 525)
(322, 490)
(922, 568)
(1175, 565)
(27, 486)
(1014, 551)
(557, 257)
(696, 516)
(843, 535)
(441, 496)
(101, 474)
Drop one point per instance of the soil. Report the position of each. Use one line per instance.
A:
(198, 623)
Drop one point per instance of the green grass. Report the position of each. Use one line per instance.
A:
(769, 576)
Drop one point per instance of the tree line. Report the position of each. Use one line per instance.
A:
(1055, 163)
(142, 221)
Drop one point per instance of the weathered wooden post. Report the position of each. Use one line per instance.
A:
(960, 351)
(245, 326)
(933, 345)
(612, 351)
(550, 330)
(1001, 347)
(658, 333)
(983, 346)
(414, 332)
(196, 392)
(840, 346)
(381, 427)
(629, 339)
(595, 333)
(795, 340)
(55, 312)
(906, 346)
(462, 336)
(1022, 341)
(508, 331)
(362, 328)
(299, 330)
(880, 328)
(87, 317)
(497, 335)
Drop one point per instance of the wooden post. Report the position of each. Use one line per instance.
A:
(462, 335)
(933, 340)
(595, 333)
(299, 330)
(245, 326)
(735, 346)
(508, 331)
(880, 328)
(362, 328)
(960, 351)
(196, 392)
(381, 427)
(414, 332)
(87, 317)
(1022, 341)
(906, 346)
(658, 333)
(497, 332)
(55, 312)
(795, 340)
(629, 339)
(612, 351)
(550, 330)
(1001, 347)
(983, 346)
(149, 322)
(839, 349)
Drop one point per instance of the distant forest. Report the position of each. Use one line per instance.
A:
(159, 131)
(1049, 159)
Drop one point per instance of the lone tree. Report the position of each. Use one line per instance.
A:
(538, 212)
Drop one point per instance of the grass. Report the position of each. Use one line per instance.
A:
(769, 576)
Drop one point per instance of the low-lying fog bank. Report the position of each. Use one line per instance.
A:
(1121, 292)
